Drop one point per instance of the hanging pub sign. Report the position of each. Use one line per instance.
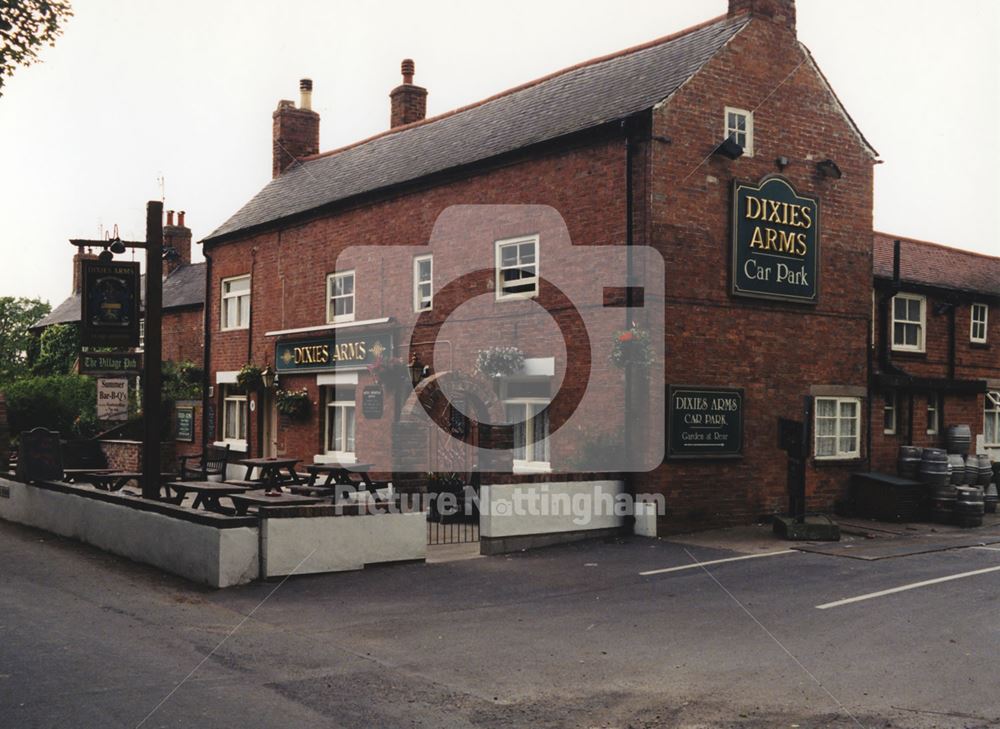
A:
(344, 351)
(109, 305)
(372, 398)
(704, 422)
(110, 363)
(775, 246)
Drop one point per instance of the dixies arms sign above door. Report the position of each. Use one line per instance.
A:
(343, 352)
(775, 242)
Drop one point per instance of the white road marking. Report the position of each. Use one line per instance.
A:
(989, 549)
(716, 561)
(903, 588)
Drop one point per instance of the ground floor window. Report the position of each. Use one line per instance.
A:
(890, 412)
(526, 402)
(991, 426)
(838, 432)
(234, 414)
(340, 422)
(933, 413)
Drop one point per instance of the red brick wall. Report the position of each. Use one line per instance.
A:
(586, 185)
(183, 335)
(776, 351)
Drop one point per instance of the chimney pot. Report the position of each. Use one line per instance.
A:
(180, 218)
(408, 67)
(170, 217)
(305, 94)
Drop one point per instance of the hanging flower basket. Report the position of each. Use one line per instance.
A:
(293, 403)
(249, 377)
(631, 347)
(500, 361)
(392, 374)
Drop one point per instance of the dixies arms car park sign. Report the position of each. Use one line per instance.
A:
(775, 246)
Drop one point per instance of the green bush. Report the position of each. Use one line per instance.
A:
(66, 403)
(59, 348)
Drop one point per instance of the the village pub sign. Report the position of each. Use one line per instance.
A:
(775, 242)
(705, 422)
(332, 353)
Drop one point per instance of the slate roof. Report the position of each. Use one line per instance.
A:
(184, 287)
(578, 98)
(937, 265)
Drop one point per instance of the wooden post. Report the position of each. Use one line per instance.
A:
(152, 381)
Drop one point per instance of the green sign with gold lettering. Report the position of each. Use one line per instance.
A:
(340, 352)
(775, 242)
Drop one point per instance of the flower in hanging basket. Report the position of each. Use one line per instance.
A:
(390, 373)
(293, 403)
(499, 361)
(249, 377)
(631, 347)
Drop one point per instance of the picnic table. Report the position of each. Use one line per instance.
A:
(273, 471)
(207, 494)
(337, 479)
(260, 498)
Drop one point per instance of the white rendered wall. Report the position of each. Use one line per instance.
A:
(336, 543)
(198, 552)
(509, 510)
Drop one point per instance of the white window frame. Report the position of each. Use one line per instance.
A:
(423, 302)
(331, 318)
(729, 130)
(341, 456)
(531, 406)
(231, 395)
(921, 325)
(225, 295)
(991, 412)
(838, 455)
(977, 323)
(933, 413)
(498, 277)
(890, 398)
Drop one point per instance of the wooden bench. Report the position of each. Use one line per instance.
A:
(210, 463)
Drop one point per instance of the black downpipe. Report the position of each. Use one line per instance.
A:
(951, 343)
(206, 355)
(627, 435)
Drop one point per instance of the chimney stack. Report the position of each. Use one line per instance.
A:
(80, 255)
(177, 237)
(295, 132)
(780, 12)
(409, 102)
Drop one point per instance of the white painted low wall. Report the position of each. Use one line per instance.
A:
(509, 510)
(198, 552)
(336, 543)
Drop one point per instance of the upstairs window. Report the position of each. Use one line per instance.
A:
(236, 303)
(340, 297)
(423, 291)
(517, 268)
(838, 431)
(739, 126)
(908, 314)
(977, 328)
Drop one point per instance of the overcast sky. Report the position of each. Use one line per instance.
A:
(183, 90)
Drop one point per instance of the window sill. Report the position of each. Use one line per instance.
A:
(909, 352)
(847, 461)
(234, 445)
(524, 468)
(517, 297)
(343, 458)
(979, 345)
(223, 330)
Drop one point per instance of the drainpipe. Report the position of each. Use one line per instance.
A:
(207, 354)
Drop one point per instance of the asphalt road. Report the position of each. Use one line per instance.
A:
(564, 637)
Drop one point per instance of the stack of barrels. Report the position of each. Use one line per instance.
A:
(958, 484)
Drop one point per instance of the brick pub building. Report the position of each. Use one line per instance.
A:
(721, 148)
